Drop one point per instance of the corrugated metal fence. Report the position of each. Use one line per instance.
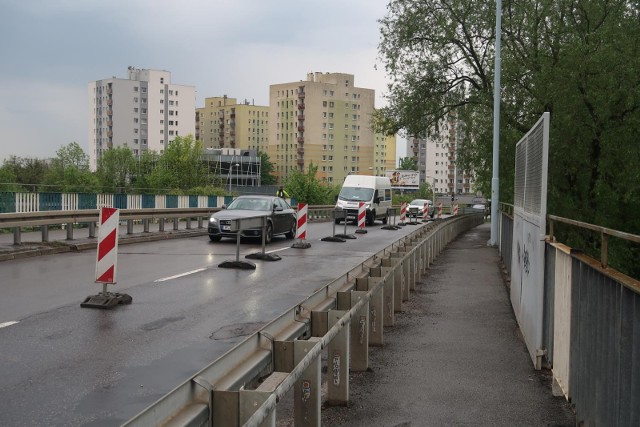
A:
(591, 333)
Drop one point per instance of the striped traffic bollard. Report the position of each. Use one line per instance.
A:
(440, 210)
(455, 210)
(362, 219)
(107, 262)
(301, 230)
(403, 214)
(425, 212)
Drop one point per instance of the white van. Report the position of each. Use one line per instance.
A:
(374, 191)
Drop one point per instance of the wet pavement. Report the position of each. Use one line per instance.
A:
(456, 356)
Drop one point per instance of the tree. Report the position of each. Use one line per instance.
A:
(180, 167)
(8, 179)
(578, 60)
(116, 168)
(266, 169)
(29, 172)
(306, 188)
(407, 164)
(69, 171)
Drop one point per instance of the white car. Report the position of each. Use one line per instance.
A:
(418, 205)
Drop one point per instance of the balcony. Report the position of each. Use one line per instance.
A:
(452, 167)
(451, 176)
(301, 139)
(300, 117)
(300, 128)
(109, 91)
(301, 151)
(109, 102)
(232, 142)
(221, 125)
(232, 134)
(233, 115)
(221, 134)
(300, 106)
(300, 161)
(110, 134)
(301, 95)
(109, 123)
(109, 112)
(221, 144)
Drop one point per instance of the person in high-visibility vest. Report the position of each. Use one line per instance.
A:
(282, 193)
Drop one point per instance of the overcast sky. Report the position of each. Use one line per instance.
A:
(51, 49)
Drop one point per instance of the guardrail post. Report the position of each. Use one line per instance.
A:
(394, 264)
(401, 275)
(226, 408)
(359, 341)
(92, 229)
(338, 362)
(161, 224)
(129, 226)
(386, 272)
(45, 232)
(307, 390)
(176, 224)
(17, 238)
(200, 222)
(188, 223)
(376, 312)
(145, 225)
(69, 231)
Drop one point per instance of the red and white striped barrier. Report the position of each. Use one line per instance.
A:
(362, 218)
(107, 253)
(362, 215)
(403, 213)
(455, 210)
(301, 233)
(302, 221)
(440, 210)
(425, 212)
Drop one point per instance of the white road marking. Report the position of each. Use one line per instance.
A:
(164, 279)
(5, 324)
(276, 250)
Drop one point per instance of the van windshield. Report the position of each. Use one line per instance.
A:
(356, 194)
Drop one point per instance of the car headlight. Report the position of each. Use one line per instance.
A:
(212, 220)
(367, 206)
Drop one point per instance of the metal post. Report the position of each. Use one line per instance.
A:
(359, 342)
(17, 239)
(161, 224)
(92, 229)
(45, 232)
(129, 226)
(176, 222)
(376, 313)
(188, 223)
(145, 225)
(495, 181)
(69, 231)
(200, 222)
(338, 362)
(307, 390)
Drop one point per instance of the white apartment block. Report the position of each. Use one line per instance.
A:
(144, 112)
(324, 120)
(436, 157)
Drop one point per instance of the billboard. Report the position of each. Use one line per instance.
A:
(403, 178)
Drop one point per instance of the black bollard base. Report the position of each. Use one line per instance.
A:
(106, 301)
(241, 265)
(264, 257)
(333, 239)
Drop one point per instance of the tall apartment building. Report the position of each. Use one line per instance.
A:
(324, 120)
(144, 112)
(436, 157)
(223, 123)
(384, 156)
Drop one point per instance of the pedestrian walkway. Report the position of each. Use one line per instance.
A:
(456, 356)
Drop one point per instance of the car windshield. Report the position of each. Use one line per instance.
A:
(249, 204)
(356, 194)
(418, 202)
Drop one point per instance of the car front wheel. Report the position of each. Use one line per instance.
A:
(292, 232)
(268, 235)
(214, 238)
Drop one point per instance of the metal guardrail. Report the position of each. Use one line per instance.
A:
(244, 385)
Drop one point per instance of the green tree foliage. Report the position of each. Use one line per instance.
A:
(180, 166)
(116, 168)
(27, 171)
(578, 60)
(69, 171)
(305, 187)
(8, 179)
(408, 164)
(267, 168)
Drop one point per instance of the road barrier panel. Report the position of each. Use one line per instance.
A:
(107, 263)
(238, 225)
(301, 230)
(362, 219)
(439, 210)
(403, 214)
(455, 210)
(337, 215)
(413, 216)
(391, 217)
(339, 312)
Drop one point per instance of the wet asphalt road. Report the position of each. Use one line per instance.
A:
(66, 365)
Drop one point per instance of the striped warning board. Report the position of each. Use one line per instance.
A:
(107, 253)
(302, 221)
